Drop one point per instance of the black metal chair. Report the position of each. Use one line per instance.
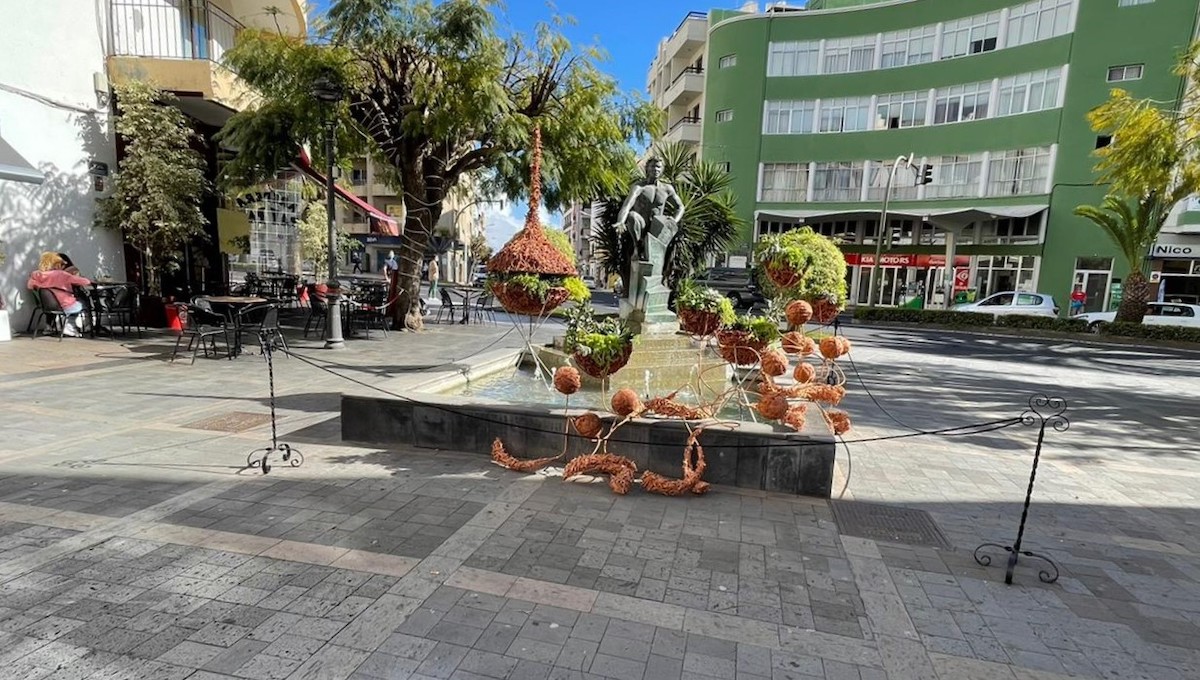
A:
(36, 317)
(318, 310)
(202, 327)
(51, 312)
(484, 309)
(371, 311)
(448, 307)
(257, 320)
(122, 305)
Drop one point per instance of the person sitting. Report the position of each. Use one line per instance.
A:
(52, 274)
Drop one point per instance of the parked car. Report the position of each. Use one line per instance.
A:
(1157, 314)
(590, 281)
(1011, 302)
(479, 276)
(736, 283)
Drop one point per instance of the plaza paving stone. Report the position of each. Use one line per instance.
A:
(133, 547)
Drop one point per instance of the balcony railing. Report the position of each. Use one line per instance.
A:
(170, 29)
(686, 120)
(691, 70)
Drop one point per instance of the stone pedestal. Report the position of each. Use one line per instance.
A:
(645, 309)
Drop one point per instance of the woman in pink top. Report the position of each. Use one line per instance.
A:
(53, 276)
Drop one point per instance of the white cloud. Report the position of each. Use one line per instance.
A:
(501, 224)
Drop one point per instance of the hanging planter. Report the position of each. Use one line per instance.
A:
(702, 311)
(825, 310)
(519, 297)
(743, 342)
(784, 275)
(600, 347)
(801, 264)
(601, 367)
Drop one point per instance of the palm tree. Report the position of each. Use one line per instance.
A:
(710, 224)
(1133, 226)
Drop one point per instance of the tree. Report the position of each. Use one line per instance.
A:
(438, 94)
(710, 224)
(159, 183)
(480, 251)
(1150, 166)
(313, 229)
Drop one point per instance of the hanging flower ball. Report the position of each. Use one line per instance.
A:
(567, 380)
(825, 311)
(834, 346)
(798, 312)
(774, 363)
(795, 342)
(826, 394)
(839, 421)
(804, 373)
(588, 425)
(794, 418)
(626, 402)
(772, 406)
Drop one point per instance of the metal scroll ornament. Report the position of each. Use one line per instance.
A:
(1044, 412)
(289, 454)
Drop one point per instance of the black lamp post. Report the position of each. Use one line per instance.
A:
(328, 91)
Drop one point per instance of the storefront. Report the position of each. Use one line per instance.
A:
(906, 279)
(1175, 266)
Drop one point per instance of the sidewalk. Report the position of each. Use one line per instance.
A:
(131, 544)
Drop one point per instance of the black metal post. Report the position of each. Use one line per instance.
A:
(290, 454)
(333, 317)
(1043, 411)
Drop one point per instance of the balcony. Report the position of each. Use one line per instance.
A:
(685, 130)
(688, 85)
(689, 37)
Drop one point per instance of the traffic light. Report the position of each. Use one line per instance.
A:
(926, 175)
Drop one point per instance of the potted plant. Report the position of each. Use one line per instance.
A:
(600, 347)
(702, 311)
(742, 342)
(801, 264)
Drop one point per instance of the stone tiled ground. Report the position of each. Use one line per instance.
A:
(131, 547)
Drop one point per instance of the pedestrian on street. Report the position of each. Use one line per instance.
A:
(1078, 300)
(433, 277)
(356, 260)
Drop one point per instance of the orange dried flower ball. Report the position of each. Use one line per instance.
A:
(804, 373)
(839, 421)
(834, 346)
(774, 363)
(825, 311)
(795, 342)
(567, 380)
(828, 394)
(798, 312)
(626, 401)
(773, 406)
(794, 418)
(589, 425)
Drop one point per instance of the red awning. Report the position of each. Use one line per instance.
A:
(381, 222)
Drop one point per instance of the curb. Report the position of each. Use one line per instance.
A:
(1031, 334)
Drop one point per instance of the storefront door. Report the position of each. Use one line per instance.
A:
(1093, 275)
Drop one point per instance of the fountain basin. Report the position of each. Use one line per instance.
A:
(751, 456)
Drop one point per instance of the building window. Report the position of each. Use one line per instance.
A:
(1038, 20)
(970, 35)
(358, 176)
(1127, 72)
(1029, 92)
(793, 58)
(838, 181)
(724, 115)
(723, 166)
(955, 176)
(727, 61)
(901, 110)
(784, 183)
(789, 118)
(903, 187)
(1000, 274)
(1019, 172)
(961, 103)
(1103, 141)
(844, 115)
(850, 55)
(908, 47)
(1006, 230)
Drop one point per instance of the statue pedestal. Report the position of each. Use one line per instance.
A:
(645, 309)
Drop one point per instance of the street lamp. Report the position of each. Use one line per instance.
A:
(329, 91)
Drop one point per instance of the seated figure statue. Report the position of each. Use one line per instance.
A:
(643, 217)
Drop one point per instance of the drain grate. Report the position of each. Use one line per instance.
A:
(888, 523)
(234, 421)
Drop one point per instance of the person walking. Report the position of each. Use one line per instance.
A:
(433, 278)
(1078, 300)
(356, 260)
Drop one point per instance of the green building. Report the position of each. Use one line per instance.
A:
(810, 108)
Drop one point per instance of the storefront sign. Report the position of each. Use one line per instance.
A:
(1176, 247)
(962, 278)
(906, 260)
(1115, 293)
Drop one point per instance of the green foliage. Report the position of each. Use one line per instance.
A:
(815, 256)
(1133, 226)
(604, 348)
(691, 295)
(577, 289)
(1044, 323)
(1153, 332)
(159, 184)
(313, 230)
(937, 317)
(558, 238)
(481, 252)
(604, 339)
(765, 329)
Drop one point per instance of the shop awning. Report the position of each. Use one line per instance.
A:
(13, 166)
(964, 215)
(381, 222)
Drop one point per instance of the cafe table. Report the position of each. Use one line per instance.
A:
(464, 293)
(232, 305)
(100, 296)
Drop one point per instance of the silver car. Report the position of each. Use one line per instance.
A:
(1032, 304)
(1157, 314)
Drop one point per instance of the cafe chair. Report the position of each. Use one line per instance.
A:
(372, 311)
(36, 317)
(52, 313)
(484, 309)
(260, 319)
(201, 327)
(318, 310)
(122, 306)
(447, 307)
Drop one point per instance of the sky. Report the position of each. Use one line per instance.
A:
(628, 30)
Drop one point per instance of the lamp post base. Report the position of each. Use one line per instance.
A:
(333, 331)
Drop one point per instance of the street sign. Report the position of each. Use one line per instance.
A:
(1115, 293)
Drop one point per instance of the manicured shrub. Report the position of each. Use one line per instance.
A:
(939, 317)
(1137, 330)
(1043, 323)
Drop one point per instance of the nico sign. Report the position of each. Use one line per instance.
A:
(1175, 247)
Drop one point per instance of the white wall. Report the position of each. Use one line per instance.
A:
(52, 48)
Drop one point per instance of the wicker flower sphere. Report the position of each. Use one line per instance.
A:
(795, 342)
(588, 425)
(804, 373)
(567, 380)
(839, 421)
(773, 406)
(794, 418)
(827, 394)
(626, 402)
(825, 311)
(774, 363)
(798, 312)
(834, 346)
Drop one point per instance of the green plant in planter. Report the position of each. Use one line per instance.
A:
(764, 329)
(801, 264)
(603, 341)
(696, 297)
(577, 289)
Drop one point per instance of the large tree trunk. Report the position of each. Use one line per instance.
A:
(1135, 295)
(421, 214)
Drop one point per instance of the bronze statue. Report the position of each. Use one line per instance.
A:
(643, 217)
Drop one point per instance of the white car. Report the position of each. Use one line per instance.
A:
(1157, 314)
(1032, 304)
(590, 282)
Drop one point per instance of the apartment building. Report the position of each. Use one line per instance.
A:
(579, 221)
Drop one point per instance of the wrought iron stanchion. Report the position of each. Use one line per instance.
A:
(289, 454)
(1044, 412)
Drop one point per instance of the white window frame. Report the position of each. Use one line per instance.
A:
(1039, 20)
(970, 35)
(1019, 172)
(797, 58)
(849, 55)
(783, 182)
(1029, 92)
(838, 181)
(955, 103)
(1133, 3)
(789, 117)
(908, 47)
(845, 114)
(727, 61)
(956, 176)
(909, 108)
(1124, 71)
(724, 115)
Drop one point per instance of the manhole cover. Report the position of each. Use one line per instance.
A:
(234, 421)
(888, 523)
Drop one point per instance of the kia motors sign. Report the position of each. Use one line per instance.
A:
(906, 260)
